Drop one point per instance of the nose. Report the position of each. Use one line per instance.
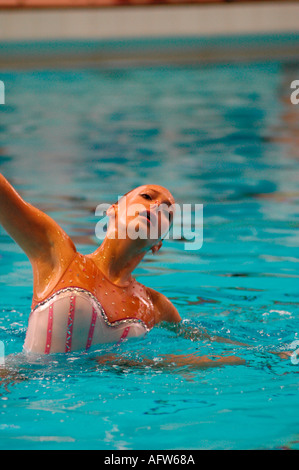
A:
(155, 205)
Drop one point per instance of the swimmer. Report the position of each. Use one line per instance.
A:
(80, 301)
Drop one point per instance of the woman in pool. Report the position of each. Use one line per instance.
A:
(80, 301)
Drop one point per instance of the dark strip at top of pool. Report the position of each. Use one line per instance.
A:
(148, 51)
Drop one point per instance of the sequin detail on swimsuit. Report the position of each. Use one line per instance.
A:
(73, 319)
(91, 328)
(49, 331)
(124, 335)
(70, 324)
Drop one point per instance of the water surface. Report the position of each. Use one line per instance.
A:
(225, 136)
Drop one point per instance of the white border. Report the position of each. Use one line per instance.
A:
(149, 21)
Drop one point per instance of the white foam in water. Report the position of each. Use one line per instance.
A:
(2, 353)
(2, 93)
(281, 312)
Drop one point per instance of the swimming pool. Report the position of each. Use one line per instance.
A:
(219, 135)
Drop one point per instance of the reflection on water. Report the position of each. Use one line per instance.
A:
(223, 136)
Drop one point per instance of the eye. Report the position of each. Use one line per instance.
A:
(146, 196)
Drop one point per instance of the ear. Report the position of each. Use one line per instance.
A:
(156, 247)
(112, 210)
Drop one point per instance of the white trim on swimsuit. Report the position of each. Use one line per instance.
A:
(73, 319)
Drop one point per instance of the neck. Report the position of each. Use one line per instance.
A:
(117, 259)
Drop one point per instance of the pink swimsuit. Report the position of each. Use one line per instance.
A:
(73, 319)
(73, 315)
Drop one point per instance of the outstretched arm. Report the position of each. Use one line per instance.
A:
(171, 361)
(168, 314)
(47, 246)
(35, 232)
(195, 333)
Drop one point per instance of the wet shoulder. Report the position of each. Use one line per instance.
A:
(165, 310)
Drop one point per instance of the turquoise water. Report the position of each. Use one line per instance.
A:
(225, 136)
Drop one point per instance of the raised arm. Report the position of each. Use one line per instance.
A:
(45, 243)
(33, 230)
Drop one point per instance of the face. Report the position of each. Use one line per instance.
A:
(146, 211)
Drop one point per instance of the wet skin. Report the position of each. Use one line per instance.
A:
(50, 251)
